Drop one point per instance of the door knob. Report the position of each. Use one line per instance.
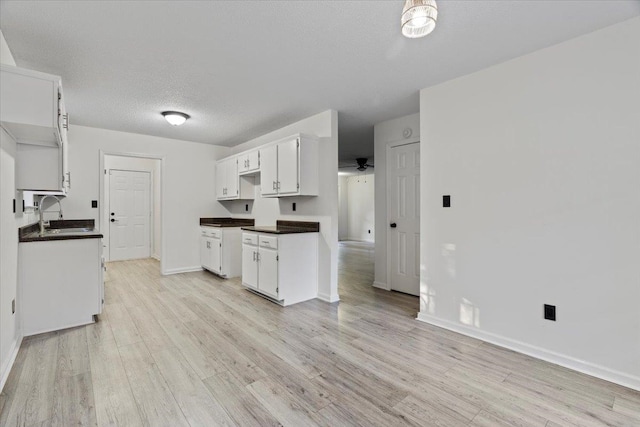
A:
(393, 225)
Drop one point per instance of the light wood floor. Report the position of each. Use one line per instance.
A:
(191, 349)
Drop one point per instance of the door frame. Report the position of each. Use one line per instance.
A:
(152, 222)
(390, 146)
(101, 217)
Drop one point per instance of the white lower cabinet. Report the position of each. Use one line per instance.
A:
(62, 283)
(283, 267)
(220, 250)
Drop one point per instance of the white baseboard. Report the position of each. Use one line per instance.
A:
(156, 257)
(329, 298)
(585, 367)
(171, 271)
(6, 369)
(381, 285)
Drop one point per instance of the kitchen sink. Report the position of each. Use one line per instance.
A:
(73, 230)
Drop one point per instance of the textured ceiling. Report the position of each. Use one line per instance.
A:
(244, 68)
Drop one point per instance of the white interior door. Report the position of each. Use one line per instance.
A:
(403, 172)
(129, 214)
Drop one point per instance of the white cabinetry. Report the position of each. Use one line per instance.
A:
(220, 250)
(249, 162)
(230, 185)
(62, 283)
(289, 167)
(282, 267)
(32, 111)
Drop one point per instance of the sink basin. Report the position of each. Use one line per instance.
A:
(73, 230)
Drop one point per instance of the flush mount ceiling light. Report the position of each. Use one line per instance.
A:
(175, 118)
(418, 18)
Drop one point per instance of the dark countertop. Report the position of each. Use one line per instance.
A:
(226, 222)
(70, 229)
(287, 227)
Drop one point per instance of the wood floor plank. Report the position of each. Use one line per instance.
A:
(124, 330)
(156, 403)
(239, 403)
(112, 392)
(198, 406)
(73, 401)
(32, 402)
(279, 403)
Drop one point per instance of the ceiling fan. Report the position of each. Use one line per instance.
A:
(361, 164)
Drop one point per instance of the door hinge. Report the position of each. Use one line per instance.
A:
(277, 290)
(105, 171)
(298, 185)
(277, 257)
(298, 142)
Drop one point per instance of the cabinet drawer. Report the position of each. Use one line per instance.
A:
(211, 232)
(250, 239)
(268, 241)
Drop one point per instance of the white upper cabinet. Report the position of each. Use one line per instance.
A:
(32, 111)
(249, 163)
(229, 185)
(269, 171)
(289, 167)
(31, 106)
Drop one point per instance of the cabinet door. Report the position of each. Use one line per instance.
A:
(38, 167)
(221, 179)
(268, 271)
(253, 161)
(232, 178)
(249, 266)
(269, 170)
(215, 255)
(204, 252)
(288, 167)
(243, 163)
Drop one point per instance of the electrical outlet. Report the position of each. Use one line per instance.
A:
(550, 312)
(13, 306)
(94, 203)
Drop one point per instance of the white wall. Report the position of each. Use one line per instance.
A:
(188, 191)
(343, 208)
(10, 335)
(322, 209)
(360, 212)
(541, 156)
(385, 134)
(135, 164)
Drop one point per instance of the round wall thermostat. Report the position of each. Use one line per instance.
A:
(407, 132)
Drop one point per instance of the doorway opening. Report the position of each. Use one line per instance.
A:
(131, 206)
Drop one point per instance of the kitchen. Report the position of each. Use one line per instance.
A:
(191, 347)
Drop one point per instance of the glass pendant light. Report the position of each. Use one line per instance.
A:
(418, 18)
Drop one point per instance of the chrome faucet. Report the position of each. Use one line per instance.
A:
(41, 210)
